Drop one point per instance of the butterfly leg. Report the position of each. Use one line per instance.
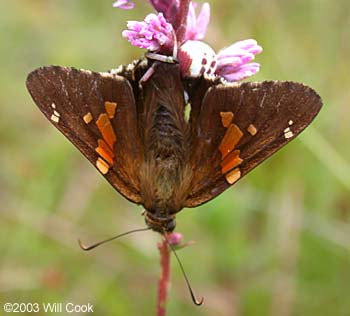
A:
(148, 74)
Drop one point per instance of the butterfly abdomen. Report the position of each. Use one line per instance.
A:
(165, 140)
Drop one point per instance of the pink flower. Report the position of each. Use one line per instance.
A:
(234, 61)
(197, 26)
(175, 239)
(178, 24)
(153, 34)
(124, 4)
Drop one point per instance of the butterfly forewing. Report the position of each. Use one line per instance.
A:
(239, 126)
(97, 113)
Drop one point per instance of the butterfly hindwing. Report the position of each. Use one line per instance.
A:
(97, 113)
(239, 126)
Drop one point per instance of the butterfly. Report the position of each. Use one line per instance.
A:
(170, 142)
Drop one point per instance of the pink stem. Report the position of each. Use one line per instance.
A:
(163, 284)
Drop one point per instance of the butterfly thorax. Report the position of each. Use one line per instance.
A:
(164, 177)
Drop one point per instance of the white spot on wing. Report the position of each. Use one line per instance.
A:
(288, 134)
(55, 118)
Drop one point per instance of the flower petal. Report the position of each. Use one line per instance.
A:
(234, 61)
(249, 45)
(154, 33)
(243, 72)
(124, 4)
(203, 21)
(197, 26)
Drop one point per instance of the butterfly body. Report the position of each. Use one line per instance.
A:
(136, 134)
(164, 174)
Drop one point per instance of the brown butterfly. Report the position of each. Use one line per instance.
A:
(137, 134)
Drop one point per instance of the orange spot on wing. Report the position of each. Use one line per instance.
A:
(232, 137)
(102, 166)
(226, 118)
(231, 161)
(105, 152)
(233, 176)
(87, 118)
(104, 125)
(110, 108)
(252, 129)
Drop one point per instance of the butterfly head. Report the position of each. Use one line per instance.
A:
(161, 224)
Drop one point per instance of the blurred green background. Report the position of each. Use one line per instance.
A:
(277, 244)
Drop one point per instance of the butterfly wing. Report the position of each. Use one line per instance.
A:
(240, 125)
(97, 113)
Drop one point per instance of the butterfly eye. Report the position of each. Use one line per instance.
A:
(197, 58)
(171, 225)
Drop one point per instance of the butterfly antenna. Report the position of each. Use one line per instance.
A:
(193, 296)
(88, 248)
